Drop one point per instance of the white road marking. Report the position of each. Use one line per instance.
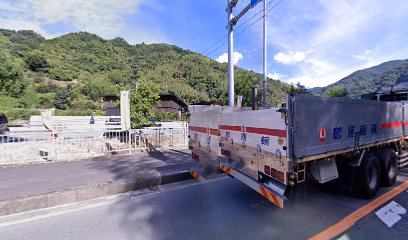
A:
(344, 237)
(391, 213)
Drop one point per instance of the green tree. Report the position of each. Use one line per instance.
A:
(299, 89)
(63, 73)
(243, 87)
(119, 77)
(143, 104)
(302, 89)
(30, 99)
(95, 88)
(336, 91)
(63, 98)
(47, 100)
(37, 62)
(11, 76)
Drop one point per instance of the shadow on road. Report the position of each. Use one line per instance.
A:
(130, 166)
(227, 209)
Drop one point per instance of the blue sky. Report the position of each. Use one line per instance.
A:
(312, 42)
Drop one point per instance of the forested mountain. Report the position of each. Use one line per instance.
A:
(362, 83)
(71, 72)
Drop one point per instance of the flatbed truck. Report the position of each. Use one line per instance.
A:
(356, 144)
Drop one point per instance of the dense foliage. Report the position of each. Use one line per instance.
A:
(11, 76)
(336, 91)
(362, 83)
(143, 103)
(71, 72)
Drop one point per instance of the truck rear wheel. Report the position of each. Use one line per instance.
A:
(368, 176)
(389, 167)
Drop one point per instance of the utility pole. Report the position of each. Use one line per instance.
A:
(231, 92)
(231, 22)
(265, 99)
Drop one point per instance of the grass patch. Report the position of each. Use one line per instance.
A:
(8, 102)
(19, 113)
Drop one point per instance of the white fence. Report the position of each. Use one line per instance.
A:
(68, 145)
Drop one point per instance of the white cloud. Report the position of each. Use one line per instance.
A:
(337, 37)
(367, 56)
(23, 25)
(276, 76)
(103, 17)
(290, 58)
(224, 58)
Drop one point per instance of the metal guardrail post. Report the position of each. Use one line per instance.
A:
(130, 141)
(172, 138)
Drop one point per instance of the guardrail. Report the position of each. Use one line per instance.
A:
(69, 145)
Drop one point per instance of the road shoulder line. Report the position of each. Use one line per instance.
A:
(352, 218)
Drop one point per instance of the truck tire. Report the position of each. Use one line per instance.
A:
(368, 176)
(389, 167)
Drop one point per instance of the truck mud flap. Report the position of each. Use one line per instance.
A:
(194, 173)
(198, 175)
(272, 191)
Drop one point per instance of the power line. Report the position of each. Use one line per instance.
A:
(207, 40)
(205, 34)
(215, 49)
(223, 38)
(213, 45)
(237, 34)
(249, 19)
(217, 46)
(259, 18)
(256, 14)
(274, 6)
(244, 28)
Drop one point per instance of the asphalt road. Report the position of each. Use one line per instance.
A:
(20, 181)
(220, 209)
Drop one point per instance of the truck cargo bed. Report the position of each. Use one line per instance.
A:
(320, 125)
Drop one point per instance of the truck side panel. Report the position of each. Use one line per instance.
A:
(255, 142)
(405, 120)
(204, 135)
(322, 124)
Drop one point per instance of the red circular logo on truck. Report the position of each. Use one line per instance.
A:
(322, 135)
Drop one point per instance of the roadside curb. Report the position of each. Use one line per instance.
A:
(149, 179)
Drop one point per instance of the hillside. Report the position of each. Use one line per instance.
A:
(72, 71)
(362, 83)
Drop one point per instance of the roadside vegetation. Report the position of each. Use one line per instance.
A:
(71, 72)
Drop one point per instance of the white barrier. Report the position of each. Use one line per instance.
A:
(64, 144)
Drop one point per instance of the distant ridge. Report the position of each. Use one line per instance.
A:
(362, 83)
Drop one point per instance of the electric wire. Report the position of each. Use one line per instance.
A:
(223, 38)
(243, 30)
(200, 36)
